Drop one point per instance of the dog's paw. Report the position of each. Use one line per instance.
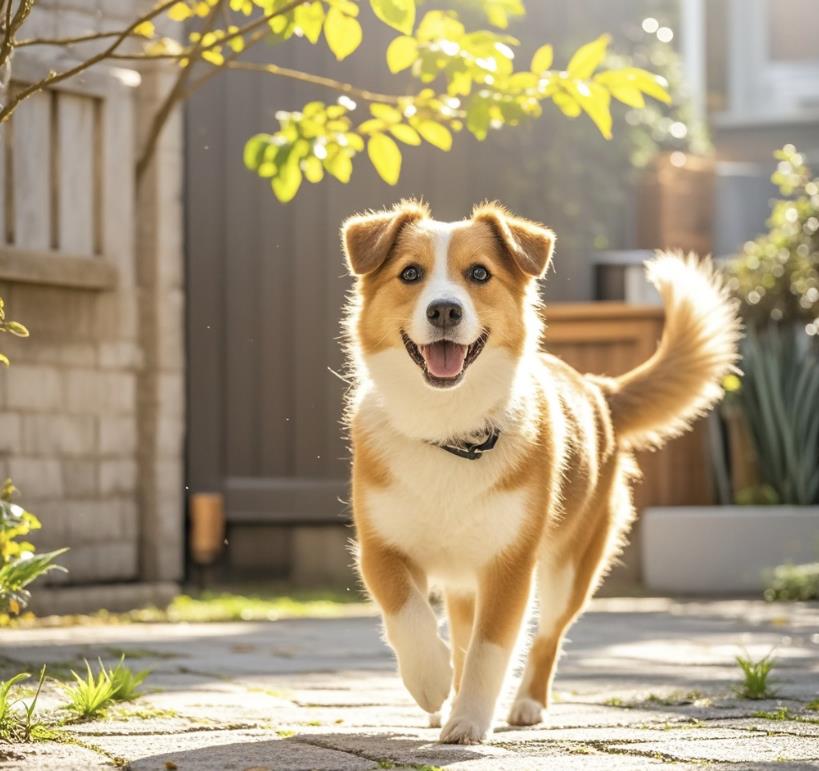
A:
(525, 712)
(428, 675)
(434, 719)
(464, 729)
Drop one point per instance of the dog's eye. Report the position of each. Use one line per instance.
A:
(478, 273)
(410, 274)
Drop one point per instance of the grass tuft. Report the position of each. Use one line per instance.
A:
(90, 696)
(755, 677)
(17, 723)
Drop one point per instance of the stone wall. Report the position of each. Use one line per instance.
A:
(92, 408)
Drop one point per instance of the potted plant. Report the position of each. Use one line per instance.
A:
(770, 418)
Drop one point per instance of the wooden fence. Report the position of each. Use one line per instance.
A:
(66, 189)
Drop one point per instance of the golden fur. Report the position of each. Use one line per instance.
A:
(552, 502)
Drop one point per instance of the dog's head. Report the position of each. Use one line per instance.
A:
(443, 307)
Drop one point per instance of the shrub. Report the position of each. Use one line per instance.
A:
(777, 274)
(20, 565)
(793, 582)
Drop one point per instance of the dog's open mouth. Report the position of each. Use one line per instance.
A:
(444, 361)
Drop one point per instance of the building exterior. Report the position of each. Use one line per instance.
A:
(93, 407)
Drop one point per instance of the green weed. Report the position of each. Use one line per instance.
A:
(755, 677)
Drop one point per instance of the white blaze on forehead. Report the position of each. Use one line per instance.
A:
(440, 286)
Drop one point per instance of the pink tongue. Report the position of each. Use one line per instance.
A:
(444, 358)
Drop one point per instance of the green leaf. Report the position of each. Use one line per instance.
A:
(254, 150)
(343, 33)
(398, 14)
(477, 118)
(542, 60)
(435, 134)
(386, 112)
(629, 95)
(567, 104)
(16, 328)
(313, 170)
(310, 18)
(386, 157)
(651, 84)
(287, 182)
(401, 53)
(595, 101)
(340, 166)
(4, 359)
(407, 134)
(588, 57)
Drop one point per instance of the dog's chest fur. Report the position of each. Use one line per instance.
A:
(448, 514)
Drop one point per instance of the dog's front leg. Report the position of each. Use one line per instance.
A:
(502, 597)
(399, 588)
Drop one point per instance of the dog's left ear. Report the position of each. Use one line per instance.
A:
(369, 238)
(530, 244)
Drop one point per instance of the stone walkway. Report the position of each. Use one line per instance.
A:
(643, 684)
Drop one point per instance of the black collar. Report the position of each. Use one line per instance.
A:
(470, 450)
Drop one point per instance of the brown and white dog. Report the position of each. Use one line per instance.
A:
(480, 462)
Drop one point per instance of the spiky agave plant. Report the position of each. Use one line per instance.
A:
(780, 399)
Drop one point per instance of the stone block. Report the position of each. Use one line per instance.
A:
(171, 394)
(94, 521)
(95, 392)
(80, 478)
(10, 433)
(113, 561)
(117, 476)
(61, 435)
(120, 355)
(37, 478)
(117, 435)
(30, 387)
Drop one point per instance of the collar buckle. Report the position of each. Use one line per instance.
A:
(471, 450)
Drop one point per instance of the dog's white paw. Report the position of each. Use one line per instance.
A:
(464, 729)
(525, 712)
(427, 674)
(434, 719)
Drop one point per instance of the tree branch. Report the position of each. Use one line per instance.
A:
(164, 111)
(67, 41)
(56, 77)
(179, 91)
(319, 80)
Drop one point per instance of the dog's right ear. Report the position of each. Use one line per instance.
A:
(368, 238)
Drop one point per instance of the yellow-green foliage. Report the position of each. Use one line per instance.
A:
(777, 274)
(466, 79)
(15, 327)
(20, 564)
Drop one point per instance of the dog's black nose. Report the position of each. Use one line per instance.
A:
(445, 314)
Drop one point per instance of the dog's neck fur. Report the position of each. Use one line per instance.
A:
(497, 393)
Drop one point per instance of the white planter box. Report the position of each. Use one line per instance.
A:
(724, 549)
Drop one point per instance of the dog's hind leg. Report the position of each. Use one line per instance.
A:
(555, 591)
(564, 587)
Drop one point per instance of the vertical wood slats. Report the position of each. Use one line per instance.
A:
(31, 170)
(66, 174)
(75, 174)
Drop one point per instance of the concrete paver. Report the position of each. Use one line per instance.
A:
(643, 683)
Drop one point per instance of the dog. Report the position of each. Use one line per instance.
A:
(481, 464)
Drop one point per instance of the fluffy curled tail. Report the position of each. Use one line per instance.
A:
(659, 399)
